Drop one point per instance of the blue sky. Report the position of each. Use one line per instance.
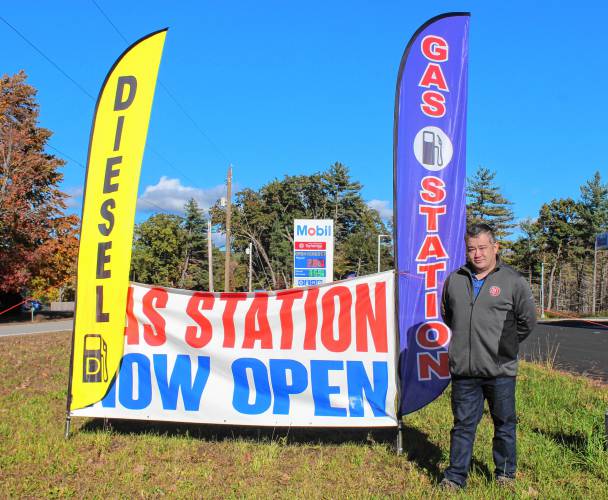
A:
(279, 87)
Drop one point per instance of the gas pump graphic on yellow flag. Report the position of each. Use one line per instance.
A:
(116, 149)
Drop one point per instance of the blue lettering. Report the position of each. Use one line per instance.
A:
(144, 379)
(321, 390)
(301, 230)
(358, 382)
(240, 398)
(109, 400)
(281, 388)
(181, 378)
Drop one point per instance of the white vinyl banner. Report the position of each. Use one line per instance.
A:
(321, 356)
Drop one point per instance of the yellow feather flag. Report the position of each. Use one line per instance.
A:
(116, 148)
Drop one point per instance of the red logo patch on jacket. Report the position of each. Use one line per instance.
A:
(494, 291)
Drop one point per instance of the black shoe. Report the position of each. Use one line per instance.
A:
(449, 485)
(505, 482)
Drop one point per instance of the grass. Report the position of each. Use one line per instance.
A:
(560, 446)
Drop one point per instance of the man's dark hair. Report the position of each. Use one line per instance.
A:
(475, 230)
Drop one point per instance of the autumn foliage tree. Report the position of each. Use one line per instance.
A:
(35, 235)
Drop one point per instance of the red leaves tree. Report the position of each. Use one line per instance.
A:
(32, 222)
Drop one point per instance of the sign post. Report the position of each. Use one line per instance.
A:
(601, 243)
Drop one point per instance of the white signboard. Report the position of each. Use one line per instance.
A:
(320, 356)
(313, 252)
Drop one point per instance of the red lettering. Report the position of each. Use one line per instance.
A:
(364, 315)
(432, 189)
(430, 273)
(310, 312)
(434, 48)
(433, 77)
(430, 305)
(430, 364)
(432, 335)
(433, 104)
(431, 215)
(131, 326)
(287, 298)
(154, 334)
(199, 336)
(257, 327)
(344, 324)
(431, 247)
(232, 300)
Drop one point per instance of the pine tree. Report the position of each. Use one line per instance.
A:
(158, 250)
(194, 275)
(594, 209)
(344, 197)
(486, 204)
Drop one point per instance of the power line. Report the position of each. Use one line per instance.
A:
(171, 165)
(82, 89)
(110, 21)
(67, 156)
(83, 167)
(196, 125)
(141, 200)
(168, 92)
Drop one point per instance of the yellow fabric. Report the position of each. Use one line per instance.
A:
(116, 150)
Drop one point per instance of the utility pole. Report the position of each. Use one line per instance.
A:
(249, 252)
(542, 289)
(210, 254)
(228, 213)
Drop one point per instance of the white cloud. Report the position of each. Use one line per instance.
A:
(74, 196)
(171, 195)
(383, 207)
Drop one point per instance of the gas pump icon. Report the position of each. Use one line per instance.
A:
(94, 359)
(432, 153)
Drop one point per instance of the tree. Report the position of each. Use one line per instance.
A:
(31, 204)
(594, 209)
(195, 275)
(486, 204)
(526, 250)
(158, 250)
(559, 224)
(594, 220)
(56, 276)
(265, 218)
(345, 200)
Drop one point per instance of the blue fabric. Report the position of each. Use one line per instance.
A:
(477, 284)
(468, 394)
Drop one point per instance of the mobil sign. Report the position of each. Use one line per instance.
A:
(313, 252)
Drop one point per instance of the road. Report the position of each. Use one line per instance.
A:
(29, 328)
(572, 345)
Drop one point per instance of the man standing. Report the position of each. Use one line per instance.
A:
(490, 309)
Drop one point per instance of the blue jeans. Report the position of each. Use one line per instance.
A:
(468, 394)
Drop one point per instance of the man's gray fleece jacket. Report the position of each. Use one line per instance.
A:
(487, 330)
